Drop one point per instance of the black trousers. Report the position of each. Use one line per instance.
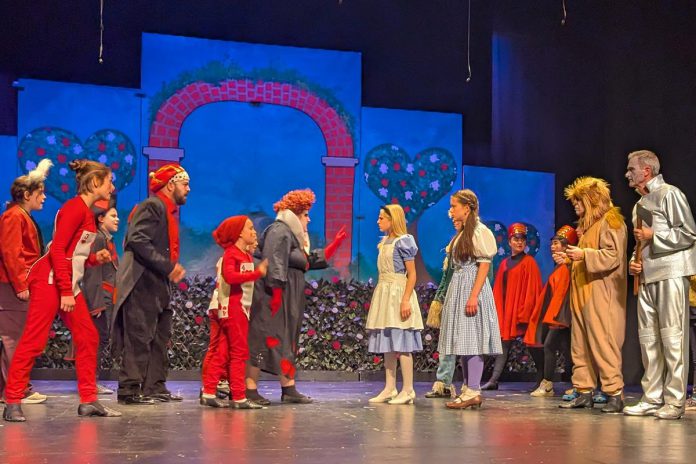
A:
(545, 358)
(101, 323)
(147, 322)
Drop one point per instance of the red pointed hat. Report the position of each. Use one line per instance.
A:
(568, 234)
(517, 229)
(165, 174)
(229, 230)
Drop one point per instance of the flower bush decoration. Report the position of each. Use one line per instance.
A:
(332, 338)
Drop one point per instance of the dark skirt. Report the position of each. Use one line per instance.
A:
(273, 338)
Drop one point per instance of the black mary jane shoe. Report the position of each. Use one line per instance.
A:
(246, 404)
(299, 398)
(583, 400)
(135, 399)
(214, 402)
(165, 397)
(95, 408)
(13, 413)
(615, 405)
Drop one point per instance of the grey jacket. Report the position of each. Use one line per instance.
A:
(671, 252)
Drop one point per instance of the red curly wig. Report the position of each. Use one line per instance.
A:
(296, 201)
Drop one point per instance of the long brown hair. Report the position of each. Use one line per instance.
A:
(464, 248)
(86, 171)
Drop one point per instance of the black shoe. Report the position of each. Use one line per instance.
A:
(13, 413)
(135, 399)
(95, 408)
(615, 404)
(583, 400)
(298, 398)
(165, 397)
(214, 402)
(254, 396)
(490, 385)
(246, 404)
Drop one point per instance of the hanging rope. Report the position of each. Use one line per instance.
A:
(101, 31)
(565, 13)
(468, 43)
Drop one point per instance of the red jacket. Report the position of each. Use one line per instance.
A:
(69, 251)
(20, 247)
(517, 285)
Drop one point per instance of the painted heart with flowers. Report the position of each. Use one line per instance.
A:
(108, 146)
(416, 183)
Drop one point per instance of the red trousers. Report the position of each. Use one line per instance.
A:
(227, 354)
(44, 303)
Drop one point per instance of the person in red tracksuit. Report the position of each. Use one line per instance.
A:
(54, 288)
(232, 298)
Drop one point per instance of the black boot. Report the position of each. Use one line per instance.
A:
(583, 400)
(13, 413)
(95, 408)
(615, 404)
(253, 395)
(291, 395)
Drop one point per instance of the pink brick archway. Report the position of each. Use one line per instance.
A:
(340, 160)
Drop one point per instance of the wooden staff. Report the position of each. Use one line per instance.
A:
(639, 257)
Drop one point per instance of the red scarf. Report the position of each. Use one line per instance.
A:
(172, 227)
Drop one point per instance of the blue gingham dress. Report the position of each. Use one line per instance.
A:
(468, 335)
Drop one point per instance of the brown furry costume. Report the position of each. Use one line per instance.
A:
(598, 289)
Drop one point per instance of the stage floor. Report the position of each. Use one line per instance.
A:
(341, 427)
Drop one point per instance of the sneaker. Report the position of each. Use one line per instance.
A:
(669, 412)
(642, 409)
(690, 404)
(570, 394)
(545, 390)
(440, 390)
(34, 398)
(102, 390)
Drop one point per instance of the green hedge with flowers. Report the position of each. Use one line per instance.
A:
(333, 335)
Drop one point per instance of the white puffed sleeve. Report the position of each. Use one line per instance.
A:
(484, 244)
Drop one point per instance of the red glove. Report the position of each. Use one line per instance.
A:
(276, 299)
(331, 248)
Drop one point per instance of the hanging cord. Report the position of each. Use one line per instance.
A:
(468, 43)
(101, 31)
(565, 13)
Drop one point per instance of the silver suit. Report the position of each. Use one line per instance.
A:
(668, 258)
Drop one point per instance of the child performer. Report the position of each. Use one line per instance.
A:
(443, 386)
(394, 322)
(21, 244)
(99, 282)
(549, 324)
(469, 325)
(235, 287)
(517, 284)
(54, 288)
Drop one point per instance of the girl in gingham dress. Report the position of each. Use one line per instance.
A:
(469, 326)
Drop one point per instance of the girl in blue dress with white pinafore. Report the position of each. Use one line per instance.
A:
(394, 322)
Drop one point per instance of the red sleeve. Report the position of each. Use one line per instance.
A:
(12, 256)
(230, 264)
(68, 223)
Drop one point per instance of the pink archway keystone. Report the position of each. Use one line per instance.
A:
(339, 160)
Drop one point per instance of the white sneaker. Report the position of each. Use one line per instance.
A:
(642, 409)
(34, 398)
(544, 390)
(104, 390)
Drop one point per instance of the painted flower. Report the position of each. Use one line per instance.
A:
(376, 359)
(311, 332)
(183, 286)
(52, 334)
(189, 305)
(336, 345)
(383, 168)
(307, 291)
(198, 320)
(436, 355)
